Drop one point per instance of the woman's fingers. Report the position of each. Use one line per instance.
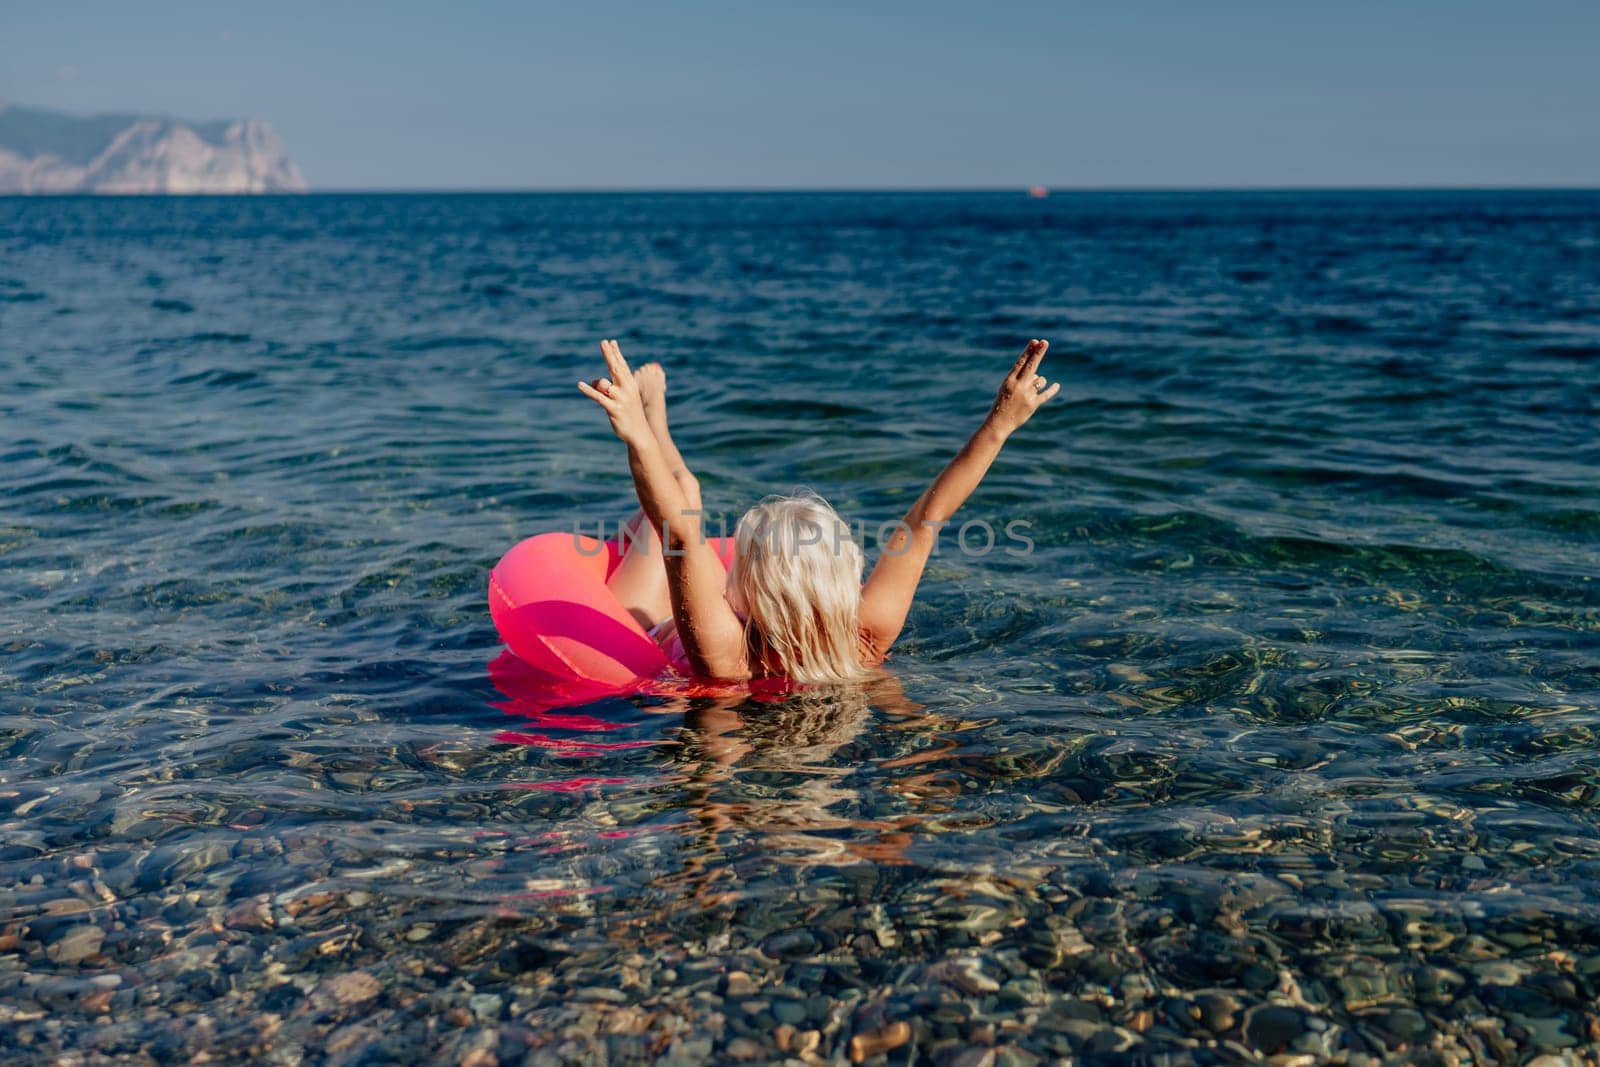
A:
(593, 392)
(614, 361)
(1022, 360)
(1034, 355)
(1039, 383)
(1050, 392)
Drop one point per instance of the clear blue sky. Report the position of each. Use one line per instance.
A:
(682, 94)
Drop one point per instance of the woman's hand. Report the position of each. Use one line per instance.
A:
(620, 397)
(1023, 392)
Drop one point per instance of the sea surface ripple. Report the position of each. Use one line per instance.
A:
(1283, 739)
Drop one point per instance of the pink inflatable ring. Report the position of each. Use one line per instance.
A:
(549, 600)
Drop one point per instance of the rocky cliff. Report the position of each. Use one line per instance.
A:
(49, 152)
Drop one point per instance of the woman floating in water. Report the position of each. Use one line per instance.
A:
(792, 605)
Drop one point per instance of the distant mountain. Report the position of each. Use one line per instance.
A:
(49, 152)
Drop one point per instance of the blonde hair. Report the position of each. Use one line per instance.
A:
(796, 579)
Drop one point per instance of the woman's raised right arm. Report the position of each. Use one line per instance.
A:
(712, 634)
(887, 596)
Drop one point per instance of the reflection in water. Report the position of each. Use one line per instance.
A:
(782, 772)
(788, 775)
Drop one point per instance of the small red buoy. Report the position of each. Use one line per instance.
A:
(1038, 192)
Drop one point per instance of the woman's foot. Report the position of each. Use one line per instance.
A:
(652, 388)
(652, 382)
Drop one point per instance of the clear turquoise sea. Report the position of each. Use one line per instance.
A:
(1282, 742)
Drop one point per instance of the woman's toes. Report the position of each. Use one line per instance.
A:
(652, 382)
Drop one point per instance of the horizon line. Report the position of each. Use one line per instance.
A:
(692, 190)
(1050, 190)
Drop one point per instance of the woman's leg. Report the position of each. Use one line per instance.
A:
(640, 581)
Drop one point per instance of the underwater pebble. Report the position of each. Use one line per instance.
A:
(740, 985)
(1217, 1011)
(1499, 972)
(76, 945)
(486, 1005)
(353, 987)
(968, 976)
(1272, 1027)
(875, 1043)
